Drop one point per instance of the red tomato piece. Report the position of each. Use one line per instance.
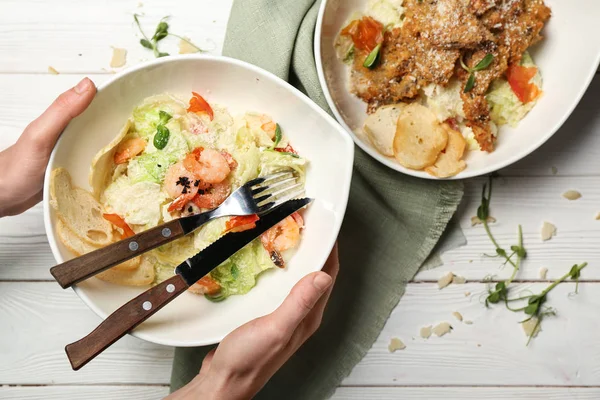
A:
(366, 33)
(119, 222)
(519, 78)
(198, 104)
(239, 224)
(286, 149)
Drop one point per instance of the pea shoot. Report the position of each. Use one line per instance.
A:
(161, 32)
(481, 65)
(534, 304)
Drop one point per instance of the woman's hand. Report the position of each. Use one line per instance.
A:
(249, 356)
(24, 163)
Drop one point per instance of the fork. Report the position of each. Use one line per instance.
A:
(257, 196)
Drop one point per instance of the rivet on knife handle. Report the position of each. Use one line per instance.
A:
(126, 318)
(87, 265)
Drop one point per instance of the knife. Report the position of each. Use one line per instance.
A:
(136, 311)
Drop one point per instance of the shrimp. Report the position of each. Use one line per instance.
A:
(128, 149)
(268, 125)
(181, 185)
(230, 160)
(208, 165)
(213, 196)
(283, 236)
(206, 285)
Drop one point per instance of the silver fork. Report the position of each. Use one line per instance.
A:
(257, 196)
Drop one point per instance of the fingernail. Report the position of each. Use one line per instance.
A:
(322, 281)
(82, 86)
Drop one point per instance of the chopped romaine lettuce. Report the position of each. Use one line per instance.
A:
(238, 274)
(274, 161)
(146, 117)
(388, 12)
(247, 155)
(174, 253)
(137, 203)
(505, 106)
(153, 164)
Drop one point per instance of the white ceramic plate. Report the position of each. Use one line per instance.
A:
(192, 320)
(568, 58)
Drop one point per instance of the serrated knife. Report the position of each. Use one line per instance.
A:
(136, 311)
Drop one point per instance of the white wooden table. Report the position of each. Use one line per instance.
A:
(485, 360)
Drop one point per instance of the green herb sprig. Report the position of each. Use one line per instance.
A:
(481, 65)
(534, 303)
(161, 137)
(373, 57)
(277, 140)
(278, 137)
(161, 32)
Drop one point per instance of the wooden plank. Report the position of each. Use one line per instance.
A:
(465, 393)
(18, 107)
(76, 36)
(83, 392)
(529, 201)
(39, 319)
(490, 352)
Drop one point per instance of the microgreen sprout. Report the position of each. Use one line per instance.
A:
(161, 32)
(534, 306)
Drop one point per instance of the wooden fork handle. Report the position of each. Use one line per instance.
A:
(87, 265)
(123, 320)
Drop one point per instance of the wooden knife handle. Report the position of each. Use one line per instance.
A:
(87, 265)
(123, 320)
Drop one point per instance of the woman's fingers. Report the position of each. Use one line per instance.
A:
(313, 320)
(43, 132)
(300, 302)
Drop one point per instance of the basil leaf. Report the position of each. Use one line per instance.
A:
(484, 63)
(162, 54)
(278, 135)
(161, 138)
(470, 83)
(164, 117)
(146, 43)
(372, 58)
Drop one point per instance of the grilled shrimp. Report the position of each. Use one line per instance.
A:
(213, 196)
(181, 185)
(283, 236)
(208, 165)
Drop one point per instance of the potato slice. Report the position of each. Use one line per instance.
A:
(419, 137)
(79, 210)
(79, 246)
(449, 162)
(380, 127)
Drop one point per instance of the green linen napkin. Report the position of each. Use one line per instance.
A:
(392, 223)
